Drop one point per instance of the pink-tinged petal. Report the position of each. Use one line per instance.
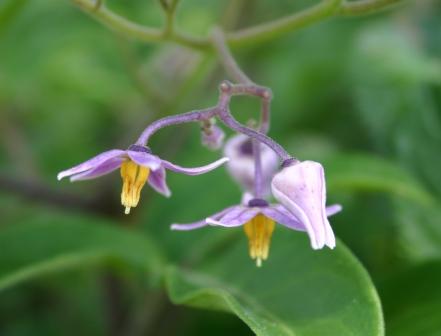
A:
(92, 163)
(236, 216)
(157, 180)
(103, 169)
(145, 159)
(282, 216)
(301, 189)
(198, 224)
(196, 170)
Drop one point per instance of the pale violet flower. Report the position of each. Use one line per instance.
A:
(212, 137)
(258, 219)
(239, 150)
(300, 188)
(137, 165)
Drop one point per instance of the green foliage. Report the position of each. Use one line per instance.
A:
(297, 291)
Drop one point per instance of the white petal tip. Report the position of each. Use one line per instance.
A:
(60, 176)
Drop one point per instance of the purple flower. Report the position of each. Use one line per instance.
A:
(138, 166)
(301, 189)
(212, 137)
(258, 219)
(239, 150)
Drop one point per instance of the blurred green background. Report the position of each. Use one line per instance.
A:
(362, 95)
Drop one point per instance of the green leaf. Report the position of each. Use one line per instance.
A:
(54, 243)
(412, 301)
(297, 291)
(358, 172)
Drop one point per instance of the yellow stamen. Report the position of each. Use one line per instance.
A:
(259, 231)
(134, 177)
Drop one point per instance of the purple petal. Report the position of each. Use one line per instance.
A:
(282, 216)
(103, 169)
(92, 163)
(196, 170)
(157, 181)
(333, 209)
(198, 224)
(236, 216)
(145, 159)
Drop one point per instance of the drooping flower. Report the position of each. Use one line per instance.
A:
(137, 166)
(212, 136)
(258, 219)
(239, 150)
(301, 188)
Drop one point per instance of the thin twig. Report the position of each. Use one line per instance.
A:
(252, 35)
(365, 7)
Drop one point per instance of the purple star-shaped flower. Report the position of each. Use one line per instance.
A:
(138, 165)
(258, 218)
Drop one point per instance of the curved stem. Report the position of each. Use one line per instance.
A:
(267, 31)
(227, 59)
(364, 7)
(226, 117)
(192, 116)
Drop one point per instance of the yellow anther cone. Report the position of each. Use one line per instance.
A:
(134, 177)
(259, 231)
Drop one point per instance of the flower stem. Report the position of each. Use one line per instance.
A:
(258, 180)
(192, 116)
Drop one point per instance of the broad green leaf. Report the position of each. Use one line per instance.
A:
(58, 242)
(297, 291)
(371, 173)
(412, 301)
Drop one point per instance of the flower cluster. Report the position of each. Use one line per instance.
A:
(253, 162)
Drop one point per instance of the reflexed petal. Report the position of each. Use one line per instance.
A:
(103, 169)
(236, 216)
(158, 182)
(92, 163)
(199, 224)
(145, 159)
(333, 209)
(196, 170)
(301, 189)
